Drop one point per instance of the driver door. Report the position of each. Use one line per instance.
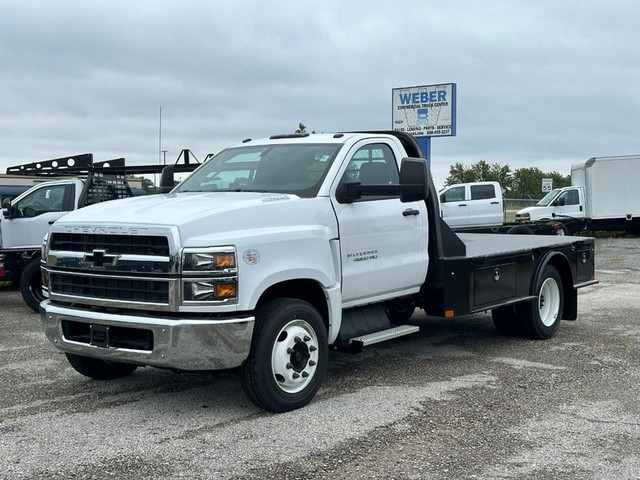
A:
(383, 242)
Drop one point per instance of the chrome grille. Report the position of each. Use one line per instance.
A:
(139, 271)
(123, 244)
(110, 288)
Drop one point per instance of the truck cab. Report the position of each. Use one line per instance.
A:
(472, 204)
(559, 202)
(27, 219)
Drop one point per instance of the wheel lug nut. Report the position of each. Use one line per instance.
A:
(312, 363)
(305, 374)
(289, 366)
(290, 351)
(307, 338)
(312, 348)
(297, 339)
(296, 375)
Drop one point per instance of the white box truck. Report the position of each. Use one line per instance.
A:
(603, 196)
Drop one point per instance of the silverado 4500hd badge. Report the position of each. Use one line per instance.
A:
(361, 256)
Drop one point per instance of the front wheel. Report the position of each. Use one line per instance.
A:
(540, 319)
(288, 357)
(31, 285)
(99, 369)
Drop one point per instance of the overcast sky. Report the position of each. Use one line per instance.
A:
(540, 83)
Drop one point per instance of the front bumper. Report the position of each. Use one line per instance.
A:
(191, 344)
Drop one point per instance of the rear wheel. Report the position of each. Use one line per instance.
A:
(99, 369)
(31, 285)
(540, 319)
(505, 320)
(400, 311)
(288, 357)
(520, 230)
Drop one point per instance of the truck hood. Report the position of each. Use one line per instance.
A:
(534, 209)
(230, 212)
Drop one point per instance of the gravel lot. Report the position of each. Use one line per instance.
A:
(455, 401)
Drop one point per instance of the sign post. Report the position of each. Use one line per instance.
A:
(424, 112)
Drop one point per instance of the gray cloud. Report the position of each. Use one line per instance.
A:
(539, 84)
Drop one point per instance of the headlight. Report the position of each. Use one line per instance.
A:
(43, 248)
(210, 290)
(212, 260)
(523, 217)
(44, 252)
(210, 275)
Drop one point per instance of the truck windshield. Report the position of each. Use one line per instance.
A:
(546, 200)
(295, 169)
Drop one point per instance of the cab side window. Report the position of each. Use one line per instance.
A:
(570, 197)
(455, 194)
(481, 192)
(43, 200)
(374, 165)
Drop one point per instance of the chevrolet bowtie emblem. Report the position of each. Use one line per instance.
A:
(98, 258)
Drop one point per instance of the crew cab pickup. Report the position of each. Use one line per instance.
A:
(275, 251)
(476, 204)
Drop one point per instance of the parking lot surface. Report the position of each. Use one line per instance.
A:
(455, 400)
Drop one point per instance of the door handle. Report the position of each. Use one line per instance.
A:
(462, 205)
(410, 211)
(495, 203)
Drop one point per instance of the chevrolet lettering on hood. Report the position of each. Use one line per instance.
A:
(109, 230)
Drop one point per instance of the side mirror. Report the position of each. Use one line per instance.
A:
(7, 210)
(414, 180)
(166, 179)
(559, 202)
(348, 192)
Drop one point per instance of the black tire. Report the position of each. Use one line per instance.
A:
(400, 311)
(520, 230)
(288, 357)
(539, 319)
(99, 369)
(506, 321)
(31, 285)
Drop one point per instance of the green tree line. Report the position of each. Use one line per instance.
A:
(518, 183)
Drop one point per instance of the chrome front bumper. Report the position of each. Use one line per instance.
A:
(192, 344)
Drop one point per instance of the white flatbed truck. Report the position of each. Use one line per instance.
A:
(277, 250)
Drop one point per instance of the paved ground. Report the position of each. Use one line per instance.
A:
(455, 401)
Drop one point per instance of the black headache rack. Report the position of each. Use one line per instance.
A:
(106, 180)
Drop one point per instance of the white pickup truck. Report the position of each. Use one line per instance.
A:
(276, 250)
(478, 207)
(476, 204)
(25, 220)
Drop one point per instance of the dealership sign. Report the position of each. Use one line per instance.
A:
(426, 111)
